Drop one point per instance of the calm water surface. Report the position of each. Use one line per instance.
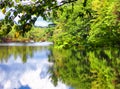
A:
(40, 66)
(26, 66)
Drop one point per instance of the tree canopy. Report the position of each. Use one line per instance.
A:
(28, 11)
(96, 24)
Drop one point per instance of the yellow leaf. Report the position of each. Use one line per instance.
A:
(3, 10)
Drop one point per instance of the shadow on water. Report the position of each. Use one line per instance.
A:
(44, 67)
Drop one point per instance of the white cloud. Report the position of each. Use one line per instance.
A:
(32, 78)
(7, 85)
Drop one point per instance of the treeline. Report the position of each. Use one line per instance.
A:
(24, 52)
(36, 34)
(92, 23)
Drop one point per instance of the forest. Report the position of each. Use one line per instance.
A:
(88, 23)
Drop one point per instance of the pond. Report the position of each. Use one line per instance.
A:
(41, 66)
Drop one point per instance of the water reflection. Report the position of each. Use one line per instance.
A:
(41, 67)
(26, 67)
(87, 69)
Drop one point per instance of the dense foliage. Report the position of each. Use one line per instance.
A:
(95, 24)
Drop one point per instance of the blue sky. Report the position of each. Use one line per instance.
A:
(39, 22)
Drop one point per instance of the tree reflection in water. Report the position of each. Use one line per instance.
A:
(87, 69)
(17, 51)
(80, 69)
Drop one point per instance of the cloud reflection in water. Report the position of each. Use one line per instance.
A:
(31, 75)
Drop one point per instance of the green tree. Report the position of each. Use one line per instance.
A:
(73, 25)
(4, 29)
(96, 24)
(104, 26)
(28, 11)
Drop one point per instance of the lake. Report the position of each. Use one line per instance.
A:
(41, 66)
(26, 66)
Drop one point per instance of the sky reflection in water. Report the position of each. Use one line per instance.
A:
(30, 75)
